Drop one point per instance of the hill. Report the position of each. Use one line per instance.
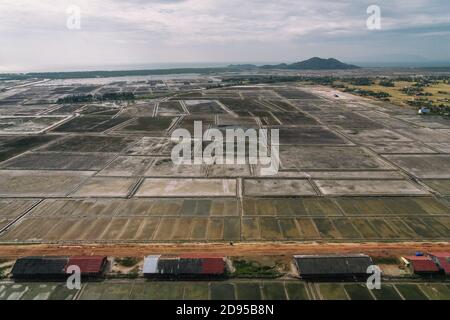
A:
(314, 64)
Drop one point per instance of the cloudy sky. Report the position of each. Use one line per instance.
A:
(119, 33)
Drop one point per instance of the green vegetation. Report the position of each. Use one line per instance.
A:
(127, 262)
(134, 273)
(387, 83)
(155, 95)
(122, 96)
(251, 269)
(369, 93)
(3, 273)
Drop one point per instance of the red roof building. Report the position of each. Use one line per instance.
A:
(213, 266)
(422, 264)
(210, 265)
(89, 265)
(442, 259)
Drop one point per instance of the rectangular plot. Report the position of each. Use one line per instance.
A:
(308, 229)
(90, 144)
(368, 187)
(326, 228)
(163, 207)
(320, 207)
(436, 291)
(59, 161)
(424, 230)
(264, 207)
(358, 292)
(105, 187)
(182, 229)
(199, 227)
(365, 228)
(309, 135)
(441, 186)
(387, 292)
(18, 231)
(196, 291)
(289, 229)
(411, 292)
(383, 228)
(56, 208)
(332, 291)
(431, 205)
(131, 229)
(37, 184)
(14, 147)
(79, 227)
(203, 207)
(114, 229)
(329, 158)
(277, 187)
(166, 229)
(90, 124)
(296, 291)
(226, 207)
(222, 291)
(215, 229)
(274, 291)
(151, 126)
(127, 166)
(170, 108)
(98, 207)
(189, 207)
(117, 291)
(232, 229)
(250, 229)
(363, 206)
(424, 166)
(10, 209)
(270, 230)
(248, 290)
(282, 207)
(94, 228)
(187, 188)
(346, 228)
(402, 229)
(39, 229)
(147, 229)
(4, 223)
(164, 291)
(99, 226)
(445, 221)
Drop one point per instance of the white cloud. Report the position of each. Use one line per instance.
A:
(34, 32)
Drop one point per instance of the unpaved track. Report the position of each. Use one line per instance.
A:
(240, 249)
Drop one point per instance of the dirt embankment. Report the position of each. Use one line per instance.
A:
(239, 249)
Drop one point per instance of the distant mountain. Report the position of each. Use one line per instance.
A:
(314, 64)
(310, 64)
(242, 66)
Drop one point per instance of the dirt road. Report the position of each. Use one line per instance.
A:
(240, 249)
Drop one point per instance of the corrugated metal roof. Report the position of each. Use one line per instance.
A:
(190, 266)
(168, 266)
(39, 266)
(185, 265)
(332, 265)
(87, 264)
(213, 266)
(200, 256)
(151, 265)
(422, 264)
(443, 260)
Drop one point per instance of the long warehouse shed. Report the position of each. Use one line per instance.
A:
(333, 267)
